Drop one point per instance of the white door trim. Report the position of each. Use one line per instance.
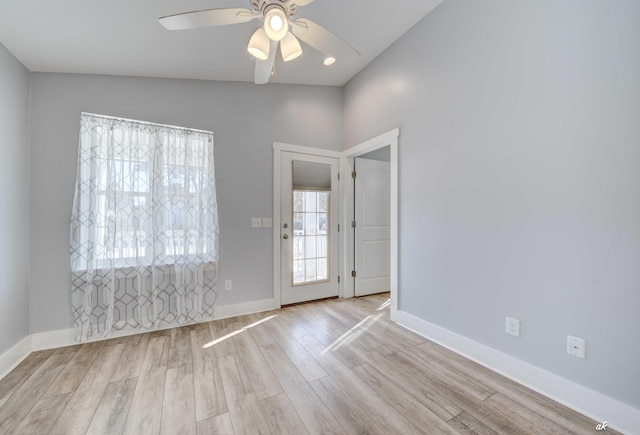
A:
(278, 148)
(346, 167)
(346, 157)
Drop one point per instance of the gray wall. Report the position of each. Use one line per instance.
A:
(14, 201)
(519, 177)
(246, 120)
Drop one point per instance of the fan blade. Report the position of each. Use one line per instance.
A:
(264, 67)
(288, 3)
(207, 18)
(323, 40)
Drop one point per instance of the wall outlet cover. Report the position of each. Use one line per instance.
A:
(256, 222)
(513, 327)
(267, 222)
(576, 347)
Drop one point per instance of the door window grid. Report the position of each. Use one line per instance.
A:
(310, 237)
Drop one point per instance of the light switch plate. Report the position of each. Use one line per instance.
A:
(267, 223)
(256, 222)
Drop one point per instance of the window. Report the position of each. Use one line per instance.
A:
(145, 193)
(144, 227)
(310, 238)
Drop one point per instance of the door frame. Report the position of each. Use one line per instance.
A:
(346, 201)
(389, 138)
(278, 148)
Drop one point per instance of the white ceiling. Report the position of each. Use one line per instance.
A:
(123, 37)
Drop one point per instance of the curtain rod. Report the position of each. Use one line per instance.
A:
(145, 122)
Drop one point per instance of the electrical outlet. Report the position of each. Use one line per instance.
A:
(267, 222)
(256, 222)
(576, 347)
(513, 327)
(227, 285)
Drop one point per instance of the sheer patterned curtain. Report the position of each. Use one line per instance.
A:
(144, 227)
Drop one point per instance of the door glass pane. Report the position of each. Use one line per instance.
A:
(298, 271)
(322, 269)
(310, 200)
(310, 270)
(310, 247)
(310, 239)
(298, 223)
(322, 246)
(310, 224)
(298, 201)
(322, 223)
(322, 202)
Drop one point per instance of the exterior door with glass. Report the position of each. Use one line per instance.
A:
(309, 227)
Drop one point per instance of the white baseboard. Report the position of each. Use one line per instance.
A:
(52, 339)
(235, 310)
(597, 406)
(14, 356)
(65, 337)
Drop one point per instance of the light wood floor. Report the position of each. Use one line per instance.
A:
(337, 366)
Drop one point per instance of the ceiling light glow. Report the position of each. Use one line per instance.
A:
(290, 47)
(275, 22)
(259, 45)
(329, 61)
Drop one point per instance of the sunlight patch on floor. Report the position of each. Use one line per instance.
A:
(384, 305)
(353, 333)
(231, 334)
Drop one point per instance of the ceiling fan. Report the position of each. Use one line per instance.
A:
(279, 28)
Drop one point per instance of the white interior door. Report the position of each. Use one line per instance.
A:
(373, 224)
(309, 228)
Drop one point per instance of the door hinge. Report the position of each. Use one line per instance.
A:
(338, 227)
(338, 279)
(353, 174)
(353, 224)
(353, 273)
(338, 176)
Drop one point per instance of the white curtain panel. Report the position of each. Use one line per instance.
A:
(144, 227)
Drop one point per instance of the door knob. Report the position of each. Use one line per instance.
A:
(285, 226)
(286, 236)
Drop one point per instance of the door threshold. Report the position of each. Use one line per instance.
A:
(309, 302)
(373, 294)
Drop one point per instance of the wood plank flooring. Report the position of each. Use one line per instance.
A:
(334, 366)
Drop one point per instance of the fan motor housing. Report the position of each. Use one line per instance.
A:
(261, 6)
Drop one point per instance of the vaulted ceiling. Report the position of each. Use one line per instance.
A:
(123, 37)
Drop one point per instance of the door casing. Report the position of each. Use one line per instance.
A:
(387, 139)
(278, 149)
(290, 293)
(346, 288)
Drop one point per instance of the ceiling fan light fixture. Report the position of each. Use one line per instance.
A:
(290, 47)
(329, 61)
(276, 24)
(259, 45)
